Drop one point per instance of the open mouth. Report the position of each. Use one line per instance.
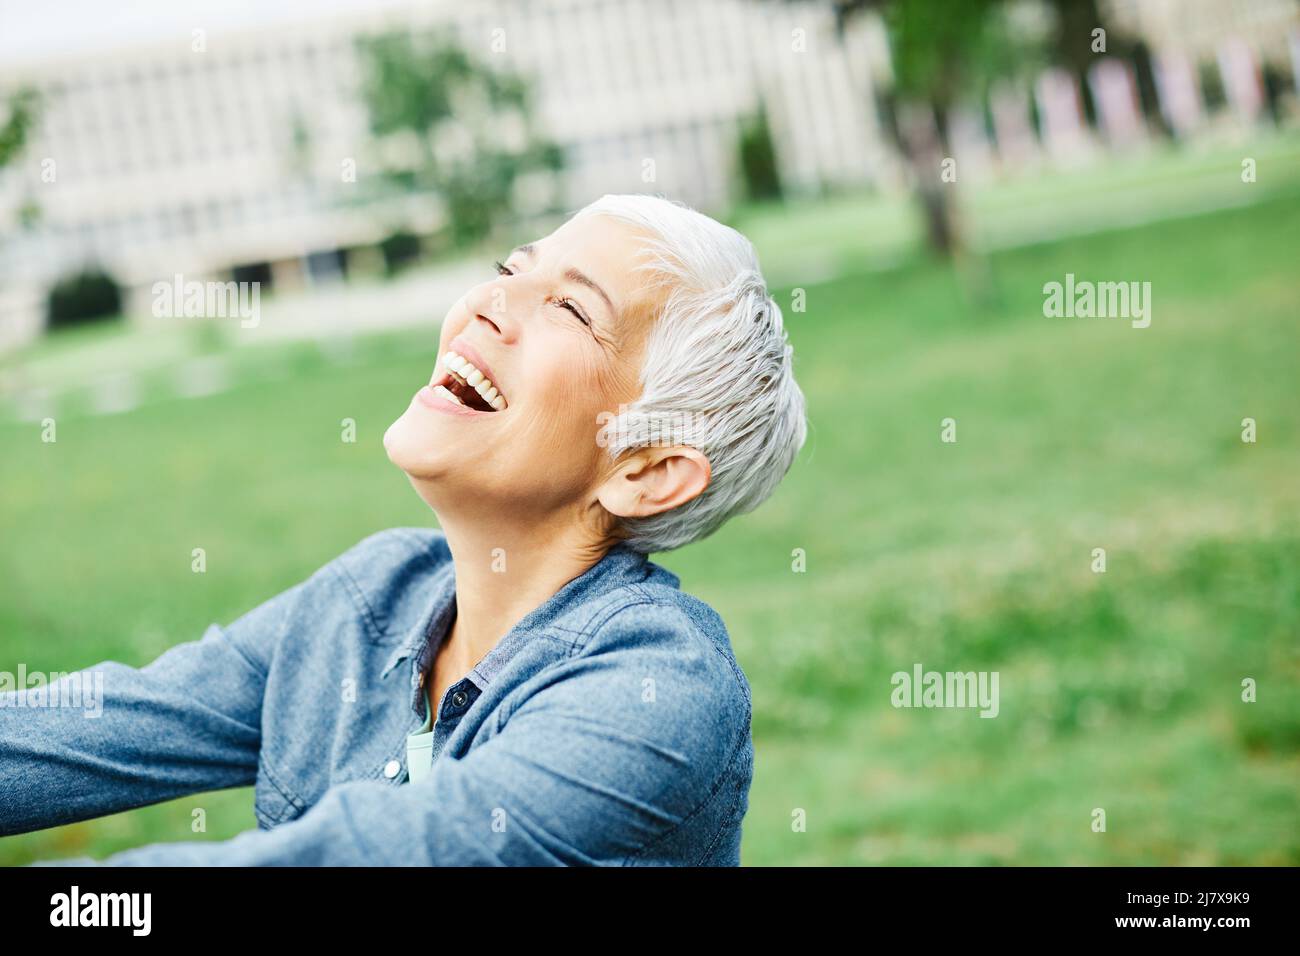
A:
(463, 383)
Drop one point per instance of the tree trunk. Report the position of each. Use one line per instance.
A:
(921, 143)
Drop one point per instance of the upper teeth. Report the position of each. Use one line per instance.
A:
(467, 370)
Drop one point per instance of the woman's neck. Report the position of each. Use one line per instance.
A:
(502, 575)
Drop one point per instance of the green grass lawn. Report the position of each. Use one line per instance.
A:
(1119, 691)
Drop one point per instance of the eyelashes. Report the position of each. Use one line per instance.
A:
(568, 304)
(503, 269)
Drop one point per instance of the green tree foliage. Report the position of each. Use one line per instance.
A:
(18, 119)
(449, 127)
(18, 124)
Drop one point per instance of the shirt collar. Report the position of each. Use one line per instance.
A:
(619, 566)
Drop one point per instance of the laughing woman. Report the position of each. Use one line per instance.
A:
(522, 686)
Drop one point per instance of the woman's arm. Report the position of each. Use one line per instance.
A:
(600, 765)
(188, 722)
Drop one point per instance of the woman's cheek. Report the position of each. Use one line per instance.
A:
(565, 414)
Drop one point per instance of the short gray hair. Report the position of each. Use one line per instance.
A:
(717, 359)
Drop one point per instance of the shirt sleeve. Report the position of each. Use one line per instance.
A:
(608, 754)
(113, 737)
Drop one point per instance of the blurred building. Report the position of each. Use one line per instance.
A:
(225, 153)
(209, 154)
(1198, 28)
(1246, 51)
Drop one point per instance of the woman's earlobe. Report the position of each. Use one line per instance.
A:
(654, 480)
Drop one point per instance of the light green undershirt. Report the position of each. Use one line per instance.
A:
(419, 750)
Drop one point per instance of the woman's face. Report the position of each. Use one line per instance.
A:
(560, 333)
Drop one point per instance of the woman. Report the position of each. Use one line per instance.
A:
(522, 686)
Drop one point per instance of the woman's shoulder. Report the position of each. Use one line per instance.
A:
(387, 575)
(663, 645)
(374, 560)
(657, 620)
(399, 544)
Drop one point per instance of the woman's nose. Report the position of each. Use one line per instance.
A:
(490, 304)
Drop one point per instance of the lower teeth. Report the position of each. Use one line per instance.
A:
(447, 393)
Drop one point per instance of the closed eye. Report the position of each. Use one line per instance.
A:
(568, 304)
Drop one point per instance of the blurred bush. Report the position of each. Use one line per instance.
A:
(400, 249)
(85, 297)
(759, 172)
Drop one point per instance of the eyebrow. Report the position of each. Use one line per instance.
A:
(574, 275)
(585, 280)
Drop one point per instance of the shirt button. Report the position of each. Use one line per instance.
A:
(459, 698)
(391, 769)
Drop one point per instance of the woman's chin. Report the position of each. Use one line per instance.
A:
(412, 449)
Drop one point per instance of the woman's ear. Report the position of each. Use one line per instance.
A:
(654, 479)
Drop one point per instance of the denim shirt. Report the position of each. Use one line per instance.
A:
(610, 726)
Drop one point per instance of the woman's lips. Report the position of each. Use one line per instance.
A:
(450, 391)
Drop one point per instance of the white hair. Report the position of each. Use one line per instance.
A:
(718, 370)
